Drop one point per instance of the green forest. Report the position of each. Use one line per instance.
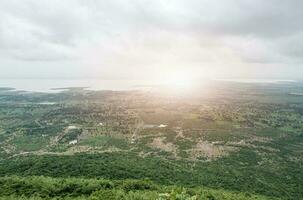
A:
(235, 141)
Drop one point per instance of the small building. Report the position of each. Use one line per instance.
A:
(162, 126)
(73, 142)
(70, 127)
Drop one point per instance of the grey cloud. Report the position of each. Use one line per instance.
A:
(146, 33)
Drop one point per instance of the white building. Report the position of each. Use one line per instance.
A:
(162, 126)
(73, 142)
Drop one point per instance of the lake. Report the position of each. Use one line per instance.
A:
(48, 85)
(52, 85)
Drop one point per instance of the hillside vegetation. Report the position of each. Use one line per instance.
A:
(36, 188)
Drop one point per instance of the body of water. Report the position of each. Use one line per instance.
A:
(54, 85)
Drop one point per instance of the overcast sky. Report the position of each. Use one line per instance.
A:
(137, 39)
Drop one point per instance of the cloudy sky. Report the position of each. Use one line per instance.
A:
(142, 39)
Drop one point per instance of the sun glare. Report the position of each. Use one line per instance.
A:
(180, 80)
(177, 82)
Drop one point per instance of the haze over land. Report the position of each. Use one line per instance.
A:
(151, 100)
